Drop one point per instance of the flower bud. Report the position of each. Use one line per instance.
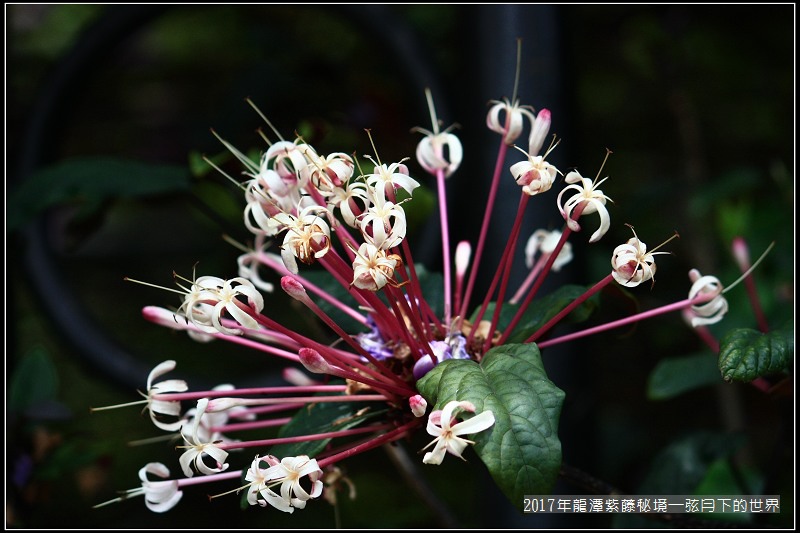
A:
(418, 405)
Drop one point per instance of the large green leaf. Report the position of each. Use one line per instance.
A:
(746, 354)
(91, 181)
(521, 450)
(675, 375)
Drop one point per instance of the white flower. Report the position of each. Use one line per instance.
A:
(431, 152)
(287, 159)
(373, 268)
(211, 296)
(328, 173)
(250, 263)
(441, 425)
(714, 309)
(545, 242)
(384, 222)
(534, 175)
(308, 236)
(352, 201)
(514, 117)
(288, 473)
(197, 448)
(431, 149)
(589, 194)
(164, 407)
(632, 264)
(258, 492)
(159, 496)
(391, 177)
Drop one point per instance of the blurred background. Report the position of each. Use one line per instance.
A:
(110, 107)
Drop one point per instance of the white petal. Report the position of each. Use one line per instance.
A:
(475, 424)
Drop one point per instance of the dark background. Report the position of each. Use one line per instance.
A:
(696, 102)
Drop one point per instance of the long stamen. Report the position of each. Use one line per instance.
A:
(265, 119)
(517, 72)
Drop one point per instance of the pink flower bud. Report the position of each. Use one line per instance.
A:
(294, 288)
(313, 361)
(418, 405)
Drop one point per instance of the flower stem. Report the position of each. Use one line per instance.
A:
(302, 438)
(568, 309)
(374, 443)
(197, 395)
(440, 179)
(700, 298)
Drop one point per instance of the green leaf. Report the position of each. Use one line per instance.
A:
(432, 287)
(34, 381)
(91, 180)
(747, 354)
(322, 417)
(675, 375)
(521, 450)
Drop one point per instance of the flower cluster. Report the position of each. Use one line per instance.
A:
(320, 212)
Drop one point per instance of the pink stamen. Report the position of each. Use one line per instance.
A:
(374, 443)
(440, 179)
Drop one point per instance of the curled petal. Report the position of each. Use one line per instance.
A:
(431, 153)
(160, 496)
(512, 122)
(545, 242)
(714, 309)
(170, 408)
(590, 197)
